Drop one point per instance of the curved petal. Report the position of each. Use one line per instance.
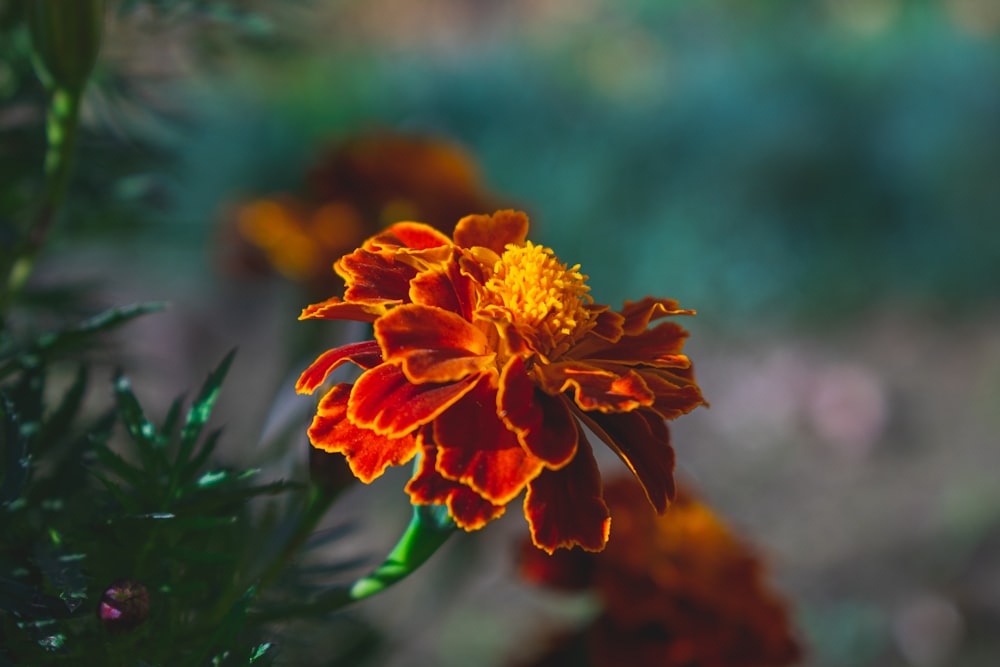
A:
(374, 278)
(386, 402)
(415, 235)
(641, 440)
(449, 288)
(431, 344)
(492, 231)
(659, 346)
(543, 424)
(427, 487)
(596, 388)
(672, 399)
(565, 507)
(638, 314)
(366, 354)
(475, 447)
(336, 309)
(367, 453)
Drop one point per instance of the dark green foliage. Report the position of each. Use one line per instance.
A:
(82, 508)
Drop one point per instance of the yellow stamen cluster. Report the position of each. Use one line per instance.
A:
(546, 299)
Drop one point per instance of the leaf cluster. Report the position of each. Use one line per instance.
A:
(88, 500)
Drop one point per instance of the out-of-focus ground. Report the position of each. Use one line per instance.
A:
(817, 179)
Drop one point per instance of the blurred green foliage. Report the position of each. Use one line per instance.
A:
(746, 160)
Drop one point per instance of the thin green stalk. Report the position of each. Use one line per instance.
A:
(62, 128)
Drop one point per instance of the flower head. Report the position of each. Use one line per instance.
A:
(489, 359)
(355, 189)
(676, 590)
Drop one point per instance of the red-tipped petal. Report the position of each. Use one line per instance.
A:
(374, 278)
(389, 404)
(367, 453)
(336, 309)
(366, 354)
(449, 288)
(469, 510)
(415, 235)
(642, 441)
(596, 388)
(565, 507)
(543, 423)
(431, 344)
(492, 231)
(475, 447)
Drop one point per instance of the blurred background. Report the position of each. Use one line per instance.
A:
(818, 179)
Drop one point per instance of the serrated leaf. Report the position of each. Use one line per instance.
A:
(171, 421)
(203, 455)
(111, 460)
(57, 423)
(139, 428)
(67, 339)
(127, 502)
(201, 410)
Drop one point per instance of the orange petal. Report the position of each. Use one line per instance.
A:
(448, 288)
(389, 404)
(336, 309)
(565, 507)
(414, 235)
(642, 441)
(596, 388)
(638, 314)
(543, 423)
(492, 231)
(432, 345)
(475, 447)
(469, 510)
(365, 354)
(374, 278)
(367, 453)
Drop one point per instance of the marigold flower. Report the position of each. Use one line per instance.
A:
(355, 189)
(678, 590)
(489, 359)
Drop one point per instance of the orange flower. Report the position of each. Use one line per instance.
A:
(679, 590)
(356, 189)
(489, 358)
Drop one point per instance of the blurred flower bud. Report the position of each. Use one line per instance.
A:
(66, 36)
(124, 606)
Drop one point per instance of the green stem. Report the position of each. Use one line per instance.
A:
(429, 528)
(62, 126)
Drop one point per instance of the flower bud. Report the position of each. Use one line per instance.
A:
(124, 606)
(66, 36)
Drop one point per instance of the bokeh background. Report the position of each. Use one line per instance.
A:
(818, 178)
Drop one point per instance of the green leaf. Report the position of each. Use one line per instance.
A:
(140, 429)
(201, 410)
(69, 339)
(58, 422)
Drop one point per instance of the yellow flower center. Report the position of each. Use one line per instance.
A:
(545, 299)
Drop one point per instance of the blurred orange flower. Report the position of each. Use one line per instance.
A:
(677, 590)
(356, 189)
(489, 356)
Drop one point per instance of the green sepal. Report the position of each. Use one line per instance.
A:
(65, 37)
(429, 528)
